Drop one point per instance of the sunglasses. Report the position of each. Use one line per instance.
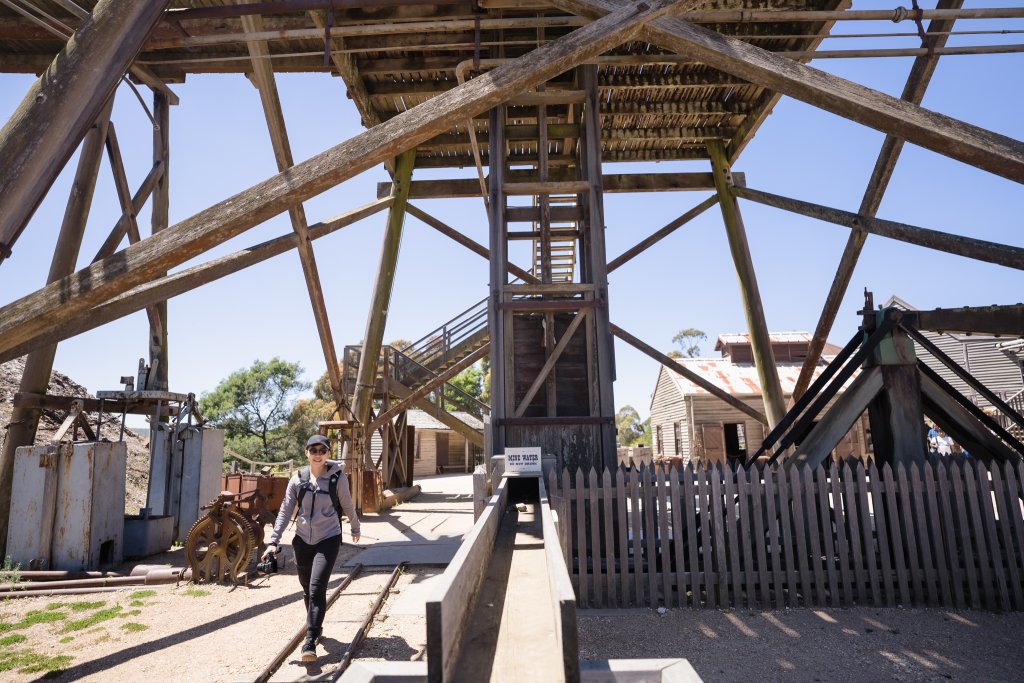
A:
(317, 450)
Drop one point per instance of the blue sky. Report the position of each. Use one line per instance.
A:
(219, 146)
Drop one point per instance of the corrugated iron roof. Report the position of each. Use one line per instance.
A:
(738, 379)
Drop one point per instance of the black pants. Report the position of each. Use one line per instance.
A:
(314, 564)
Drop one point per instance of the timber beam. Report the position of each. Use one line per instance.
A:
(947, 136)
(100, 282)
(458, 188)
(685, 372)
(981, 250)
(994, 320)
(263, 76)
(186, 280)
(457, 236)
(59, 108)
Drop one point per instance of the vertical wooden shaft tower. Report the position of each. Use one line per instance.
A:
(551, 349)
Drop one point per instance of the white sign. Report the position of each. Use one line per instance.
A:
(523, 460)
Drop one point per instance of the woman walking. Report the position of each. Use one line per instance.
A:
(320, 493)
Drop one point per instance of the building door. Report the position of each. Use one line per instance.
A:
(713, 442)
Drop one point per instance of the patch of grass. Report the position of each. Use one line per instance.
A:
(139, 595)
(66, 639)
(194, 592)
(92, 619)
(29, 662)
(56, 605)
(133, 613)
(12, 639)
(10, 571)
(86, 606)
(137, 603)
(134, 627)
(39, 616)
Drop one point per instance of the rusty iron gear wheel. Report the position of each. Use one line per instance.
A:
(219, 550)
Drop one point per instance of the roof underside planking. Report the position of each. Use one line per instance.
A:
(395, 55)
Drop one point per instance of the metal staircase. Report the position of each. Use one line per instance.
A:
(422, 363)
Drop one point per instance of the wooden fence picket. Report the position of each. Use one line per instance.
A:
(1017, 522)
(638, 555)
(611, 598)
(915, 574)
(690, 510)
(731, 534)
(922, 531)
(678, 534)
(623, 515)
(949, 533)
(594, 538)
(774, 536)
(1009, 559)
(583, 592)
(759, 535)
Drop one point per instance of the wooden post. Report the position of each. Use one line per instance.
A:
(499, 262)
(598, 267)
(896, 413)
(161, 202)
(39, 364)
(764, 357)
(362, 399)
(63, 103)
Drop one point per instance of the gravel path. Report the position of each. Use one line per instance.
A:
(853, 645)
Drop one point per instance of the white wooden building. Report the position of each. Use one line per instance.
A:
(689, 423)
(438, 449)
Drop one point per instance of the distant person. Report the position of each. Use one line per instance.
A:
(944, 444)
(933, 441)
(317, 531)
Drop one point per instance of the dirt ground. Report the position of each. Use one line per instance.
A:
(215, 633)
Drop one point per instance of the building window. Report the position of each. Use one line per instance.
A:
(677, 434)
(659, 446)
(735, 441)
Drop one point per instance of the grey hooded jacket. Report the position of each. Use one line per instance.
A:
(317, 519)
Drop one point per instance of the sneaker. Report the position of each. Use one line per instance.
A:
(309, 649)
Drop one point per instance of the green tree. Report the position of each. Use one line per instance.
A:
(253, 406)
(689, 340)
(632, 430)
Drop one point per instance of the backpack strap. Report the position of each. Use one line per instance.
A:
(305, 486)
(334, 493)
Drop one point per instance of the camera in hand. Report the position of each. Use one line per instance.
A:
(269, 566)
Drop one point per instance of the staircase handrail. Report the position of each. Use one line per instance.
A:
(415, 377)
(450, 334)
(472, 400)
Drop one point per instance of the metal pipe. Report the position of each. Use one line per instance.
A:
(293, 643)
(54, 575)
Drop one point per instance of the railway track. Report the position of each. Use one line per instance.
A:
(373, 585)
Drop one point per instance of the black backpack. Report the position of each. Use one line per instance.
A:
(304, 486)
